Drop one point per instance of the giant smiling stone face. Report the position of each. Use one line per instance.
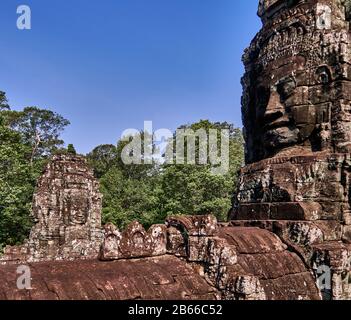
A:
(293, 108)
(296, 96)
(76, 207)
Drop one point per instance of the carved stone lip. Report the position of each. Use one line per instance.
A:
(279, 123)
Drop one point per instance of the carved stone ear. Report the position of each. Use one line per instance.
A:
(324, 17)
(323, 75)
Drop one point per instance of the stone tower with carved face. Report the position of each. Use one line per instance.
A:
(297, 84)
(296, 109)
(67, 212)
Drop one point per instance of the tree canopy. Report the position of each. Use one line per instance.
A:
(102, 158)
(27, 140)
(17, 182)
(144, 191)
(40, 128)
(3, 102)
(149, 193)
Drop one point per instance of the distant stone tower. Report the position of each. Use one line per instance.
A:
(67, 213)
(296, 109)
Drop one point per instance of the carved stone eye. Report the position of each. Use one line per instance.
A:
(323, 75)
(286, 87)
(262, 98)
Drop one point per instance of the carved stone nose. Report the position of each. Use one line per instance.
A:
(275, 108)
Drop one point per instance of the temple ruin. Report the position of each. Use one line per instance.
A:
(297, 119)
(290, 225)
(67, 214)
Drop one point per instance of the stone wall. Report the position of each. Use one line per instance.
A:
(241, 263)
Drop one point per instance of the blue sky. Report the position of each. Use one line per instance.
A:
(110, 65)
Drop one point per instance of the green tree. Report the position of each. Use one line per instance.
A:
(236, 142)
(71, 149)
(27, 139)
(107, 156)
(149, 193)
(195, 189)
(130, 191)
(142, 169)
(127, 199)
(3, 101)
(17, 181)
(40, 128)
(102, 158)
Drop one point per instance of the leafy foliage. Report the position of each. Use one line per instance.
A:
(27, 140)
(71, 149)
(149, 193)
(40, 128)
(126, 199)
(17, 181)
(3, 102)
(144, 192)
(189, 189)
(102, 158)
